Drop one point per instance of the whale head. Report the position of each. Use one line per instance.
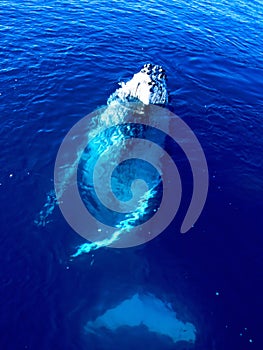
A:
(148, 86)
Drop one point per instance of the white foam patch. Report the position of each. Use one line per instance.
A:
(149, 311)
(137, 87)
(147, 86)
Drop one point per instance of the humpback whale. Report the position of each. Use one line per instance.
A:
(146, 87)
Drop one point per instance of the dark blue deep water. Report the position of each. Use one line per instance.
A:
(60, 60)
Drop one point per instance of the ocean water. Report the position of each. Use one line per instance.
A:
(59, 61)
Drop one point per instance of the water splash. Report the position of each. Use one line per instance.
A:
(42, 218)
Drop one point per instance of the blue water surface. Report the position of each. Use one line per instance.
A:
(60, 60)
